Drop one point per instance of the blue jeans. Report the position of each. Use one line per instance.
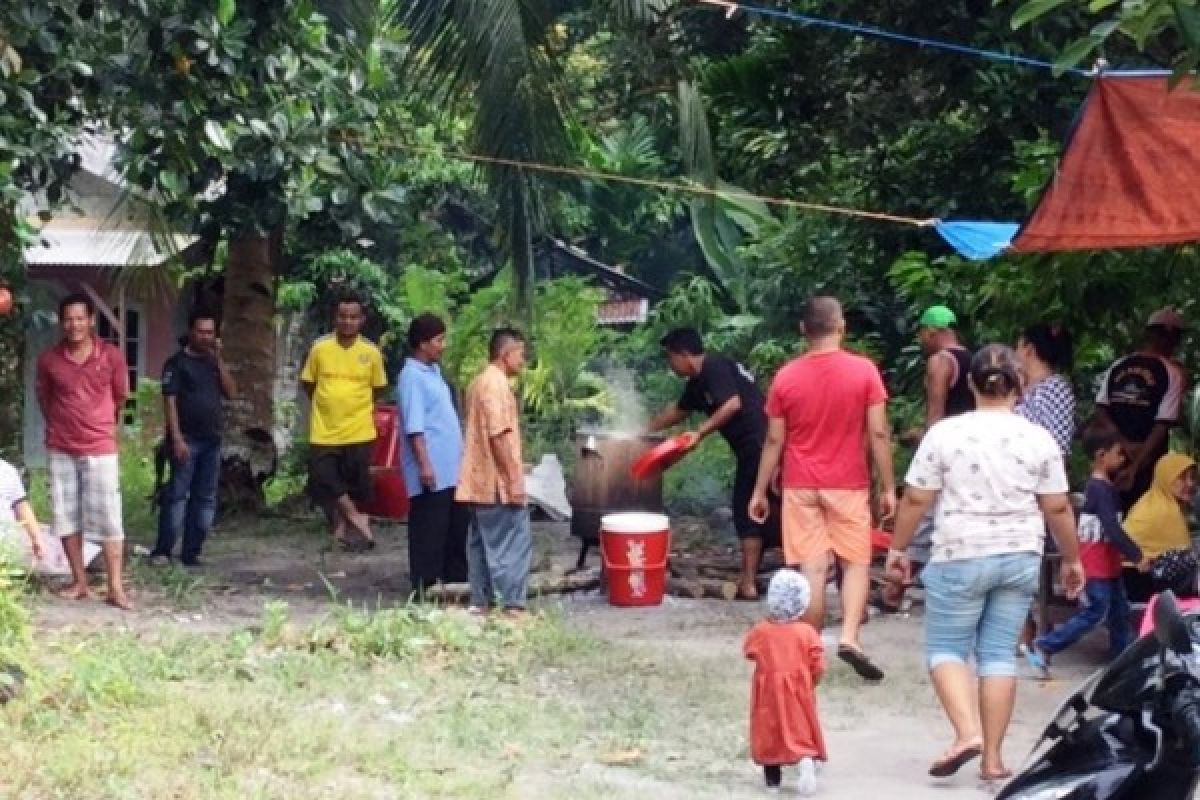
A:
(189, 502)
(499, 555)
(977, 606)
(1106, 601)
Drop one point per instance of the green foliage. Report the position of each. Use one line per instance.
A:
(15, 623)
(414, 634)
(721, 226)
(1167, 29)
(243, 116)
(618, 219)
(501, 56)
(339, 272)
(46, 87)
(137, 490)
(183, 588)
(557, 390)
(46, 81)
(284, 485)
(701, 481)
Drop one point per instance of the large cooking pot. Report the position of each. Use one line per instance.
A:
(601, 483)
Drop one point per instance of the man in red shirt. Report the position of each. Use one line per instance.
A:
(823, 410)
(82, 383)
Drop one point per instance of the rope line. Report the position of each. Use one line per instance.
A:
(730, 7)
(651, 183)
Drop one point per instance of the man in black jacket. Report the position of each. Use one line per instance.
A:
(195, 381)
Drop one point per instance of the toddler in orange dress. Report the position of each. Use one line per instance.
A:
(789, 660)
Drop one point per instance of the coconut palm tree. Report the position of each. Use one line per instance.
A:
(496, 56)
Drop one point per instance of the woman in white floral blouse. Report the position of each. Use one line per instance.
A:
(998, 482)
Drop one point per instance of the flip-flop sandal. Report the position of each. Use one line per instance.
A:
(945, 767)
(995, 777)
(859, 662)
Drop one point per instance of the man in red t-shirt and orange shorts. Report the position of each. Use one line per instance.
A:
(823, 410)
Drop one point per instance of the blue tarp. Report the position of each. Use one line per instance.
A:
(978, 241)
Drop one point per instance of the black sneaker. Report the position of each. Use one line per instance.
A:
(193, 563)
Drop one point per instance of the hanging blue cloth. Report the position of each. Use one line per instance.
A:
(978, 241)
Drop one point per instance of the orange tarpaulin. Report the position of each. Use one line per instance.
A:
(1130, 176)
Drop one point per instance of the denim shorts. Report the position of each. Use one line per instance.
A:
(977, 607)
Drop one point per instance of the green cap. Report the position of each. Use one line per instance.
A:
(938, 317)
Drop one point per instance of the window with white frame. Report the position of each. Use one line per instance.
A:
(133, 320)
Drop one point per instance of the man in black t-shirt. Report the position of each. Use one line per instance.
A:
(194, 383)
(1141, 397)
(725, 391)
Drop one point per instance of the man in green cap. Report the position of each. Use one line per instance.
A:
(947, 390)
(947, 394)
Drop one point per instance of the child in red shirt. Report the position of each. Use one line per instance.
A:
(789, 660)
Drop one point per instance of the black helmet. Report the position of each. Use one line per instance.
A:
(1176, 570)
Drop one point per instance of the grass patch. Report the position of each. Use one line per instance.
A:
(397, 703)
(183, 588)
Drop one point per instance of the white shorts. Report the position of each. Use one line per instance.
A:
(85, 492)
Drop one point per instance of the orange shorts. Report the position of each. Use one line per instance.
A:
(816, 521)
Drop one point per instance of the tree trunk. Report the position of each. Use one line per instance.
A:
(295, 335)
(248, 338)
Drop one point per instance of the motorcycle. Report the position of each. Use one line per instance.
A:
(1132, 730)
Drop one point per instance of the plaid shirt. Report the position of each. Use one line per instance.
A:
(1051, 404)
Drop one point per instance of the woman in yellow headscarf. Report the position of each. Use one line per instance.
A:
(1158, 520)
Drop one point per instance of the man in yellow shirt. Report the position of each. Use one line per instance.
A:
(341, 374)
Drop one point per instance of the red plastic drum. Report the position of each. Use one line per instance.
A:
(390, 500)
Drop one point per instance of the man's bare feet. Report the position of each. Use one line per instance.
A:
(995, 774)
(118, 599)
(747, 589)
(362, 525)
(75, 592)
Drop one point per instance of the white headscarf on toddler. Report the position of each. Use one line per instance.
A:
(788, 596)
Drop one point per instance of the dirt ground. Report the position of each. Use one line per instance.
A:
(881, 737)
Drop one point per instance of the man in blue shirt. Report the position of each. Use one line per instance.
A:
(431, 452)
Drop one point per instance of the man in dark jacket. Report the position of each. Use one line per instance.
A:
(195, 382)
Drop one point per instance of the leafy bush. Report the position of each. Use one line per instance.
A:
(14, 616)
(702, 481)
(137, 489)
